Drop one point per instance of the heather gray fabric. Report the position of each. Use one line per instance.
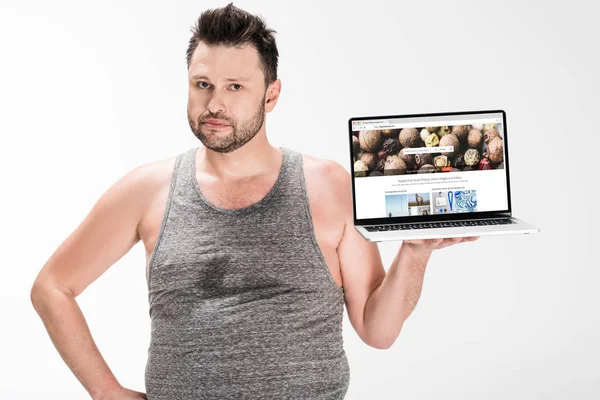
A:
(242, 303)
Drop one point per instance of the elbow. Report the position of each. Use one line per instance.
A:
(379, 344)
(380, 340)
(36, 294)
(41, 292)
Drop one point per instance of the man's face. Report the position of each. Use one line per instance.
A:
(227, 88)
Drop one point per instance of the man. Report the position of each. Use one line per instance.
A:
(251, 250)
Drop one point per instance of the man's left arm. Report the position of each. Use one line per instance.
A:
(378, 303)
(392, 302)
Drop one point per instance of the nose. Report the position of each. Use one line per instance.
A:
(215, 103)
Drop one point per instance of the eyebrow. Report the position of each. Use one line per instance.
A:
(240, 79)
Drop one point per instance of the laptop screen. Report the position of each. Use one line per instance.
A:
(429, 165)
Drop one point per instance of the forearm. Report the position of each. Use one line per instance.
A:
(394, 300)
(71, 336)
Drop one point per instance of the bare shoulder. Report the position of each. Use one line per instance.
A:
(326, 173)
(155, 174)
(329, 191)
(148, 181)
(154, 179)
(324, 168)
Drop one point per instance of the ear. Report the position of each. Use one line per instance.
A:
(272, 95)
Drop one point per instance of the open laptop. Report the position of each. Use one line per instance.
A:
(425, 176)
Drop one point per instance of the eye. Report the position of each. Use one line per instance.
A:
(237, 84)
(200, 84)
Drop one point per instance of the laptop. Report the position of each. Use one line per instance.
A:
(436, 175)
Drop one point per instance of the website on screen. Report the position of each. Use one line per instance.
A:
(429, 165)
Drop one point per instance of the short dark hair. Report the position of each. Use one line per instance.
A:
(232, 26)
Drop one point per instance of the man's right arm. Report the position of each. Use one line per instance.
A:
(106, 234)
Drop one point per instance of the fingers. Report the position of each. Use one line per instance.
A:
(449, 242)
(441, 242)
(455, 240)
(465, 239)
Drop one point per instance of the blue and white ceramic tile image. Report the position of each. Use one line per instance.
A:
(465, 201)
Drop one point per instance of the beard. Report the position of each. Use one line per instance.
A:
(227, 142)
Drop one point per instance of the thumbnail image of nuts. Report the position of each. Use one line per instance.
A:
(371, 141)
(475, 138)
(432, 140)
(381, 164)
(370, 160)
(360, 168)
(477, 126)
(490, 134)
(394, 166)
(484, 164)
(427, 168)
(433, 129)
(390, 132)
(422, 159)
(495, 150)
(409, 159)
(355, 145)
(490, 126)
(471, 157)
(459, 161)
(382, 154)
(450, 140)
(392, 146)
(424, 133)
(409, 137)
(441, 161)
(461, 132)
(375, 173)
(359, 154)
(443, 131)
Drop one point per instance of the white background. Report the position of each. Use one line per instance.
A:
(90, 90)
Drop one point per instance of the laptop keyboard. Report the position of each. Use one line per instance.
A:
(444, 224)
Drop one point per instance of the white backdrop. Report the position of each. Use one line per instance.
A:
(90, 90)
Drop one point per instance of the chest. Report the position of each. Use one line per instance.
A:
(328, 225)
(236, 195)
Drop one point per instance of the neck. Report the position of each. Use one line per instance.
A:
(254, 159)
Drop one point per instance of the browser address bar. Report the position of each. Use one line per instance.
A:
(391, 125)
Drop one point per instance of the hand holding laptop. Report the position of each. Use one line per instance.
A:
(428, 245)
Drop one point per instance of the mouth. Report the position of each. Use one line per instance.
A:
(215, 125)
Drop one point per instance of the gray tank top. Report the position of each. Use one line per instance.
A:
(242, 303)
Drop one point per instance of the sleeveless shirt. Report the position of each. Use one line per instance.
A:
(241, 301)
